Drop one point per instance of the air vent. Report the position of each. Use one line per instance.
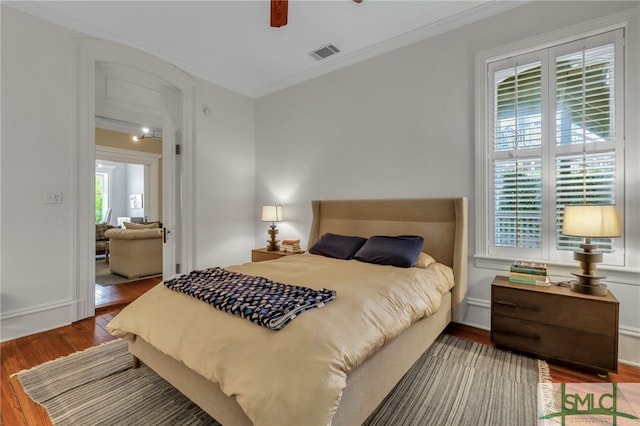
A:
(324, 52)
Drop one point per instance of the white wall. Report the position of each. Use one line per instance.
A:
(402, 125)
(225, 180)
(37, 136)
(135, 185)
(37, 157)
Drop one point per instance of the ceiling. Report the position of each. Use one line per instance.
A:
(230, 43)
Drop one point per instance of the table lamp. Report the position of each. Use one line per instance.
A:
(273, 214)
(590, 221)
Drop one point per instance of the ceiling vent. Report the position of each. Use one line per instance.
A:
(324, 52)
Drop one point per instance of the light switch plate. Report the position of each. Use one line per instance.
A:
(53, 198)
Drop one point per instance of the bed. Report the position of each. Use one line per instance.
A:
(443, 225)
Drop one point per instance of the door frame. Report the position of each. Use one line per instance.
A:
(150, 162)
(88, 53)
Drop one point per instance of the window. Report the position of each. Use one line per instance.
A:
(553, 136)
(102, 194)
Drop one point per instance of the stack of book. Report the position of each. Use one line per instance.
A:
(529, 273)
(290, 246)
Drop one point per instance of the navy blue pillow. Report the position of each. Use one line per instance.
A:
(337, 246)
(402, 251)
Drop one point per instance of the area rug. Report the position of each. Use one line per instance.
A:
(104, 276)
(456, 382)
(460, 382)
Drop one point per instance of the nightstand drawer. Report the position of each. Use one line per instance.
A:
(555, 309)
(556, 323)
(586, 349)
(261, 254)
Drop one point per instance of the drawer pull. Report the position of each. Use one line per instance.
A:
(517, 334)
(515, 305)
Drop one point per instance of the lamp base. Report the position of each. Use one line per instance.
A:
(273, 243)
(588, 280)
(591, 289)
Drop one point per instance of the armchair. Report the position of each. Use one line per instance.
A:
(101, 238)
(135, 253)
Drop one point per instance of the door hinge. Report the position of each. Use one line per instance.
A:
(177, 149)
(177, 268)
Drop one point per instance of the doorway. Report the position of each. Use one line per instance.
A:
(175, 94)
(128, 189)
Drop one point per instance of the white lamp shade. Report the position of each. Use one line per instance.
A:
(272, 214)
(591, 221)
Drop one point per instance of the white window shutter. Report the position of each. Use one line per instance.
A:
(552, 141)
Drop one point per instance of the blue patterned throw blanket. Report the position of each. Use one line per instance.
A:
(260, 300)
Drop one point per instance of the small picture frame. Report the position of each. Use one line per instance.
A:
(136, 201)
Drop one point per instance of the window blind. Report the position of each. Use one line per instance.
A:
(552, 142)
(518, 207)
(517, 108)
(518, 137)
(585, 111)
(584, 179)
(585, 96)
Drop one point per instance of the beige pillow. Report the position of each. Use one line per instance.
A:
(129, 225)
(424, 260)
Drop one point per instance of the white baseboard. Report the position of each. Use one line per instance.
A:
(480, 303)
(629, 346)
(479, 316)
(25, 322)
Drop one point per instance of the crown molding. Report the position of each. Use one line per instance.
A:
(482, 11)
(469, 16)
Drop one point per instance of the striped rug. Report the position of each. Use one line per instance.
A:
(456, 382)
(459, 382)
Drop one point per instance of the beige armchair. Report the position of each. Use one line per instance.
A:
(135, 253)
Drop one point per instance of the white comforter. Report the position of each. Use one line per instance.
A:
(294, 376)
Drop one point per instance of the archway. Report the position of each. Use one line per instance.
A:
(177, 123)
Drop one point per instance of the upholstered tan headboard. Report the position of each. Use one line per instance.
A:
(442, 222)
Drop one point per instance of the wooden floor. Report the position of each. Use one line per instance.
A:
(110, 296)
(17, 409)
(560, 373)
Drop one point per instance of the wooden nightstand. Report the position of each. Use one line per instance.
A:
(556, 323)
(261, 254)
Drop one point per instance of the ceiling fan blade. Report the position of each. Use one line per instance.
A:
(279, 10)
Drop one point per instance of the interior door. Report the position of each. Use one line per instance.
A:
(171, 184)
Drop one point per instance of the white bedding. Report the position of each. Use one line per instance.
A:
(295, 375)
